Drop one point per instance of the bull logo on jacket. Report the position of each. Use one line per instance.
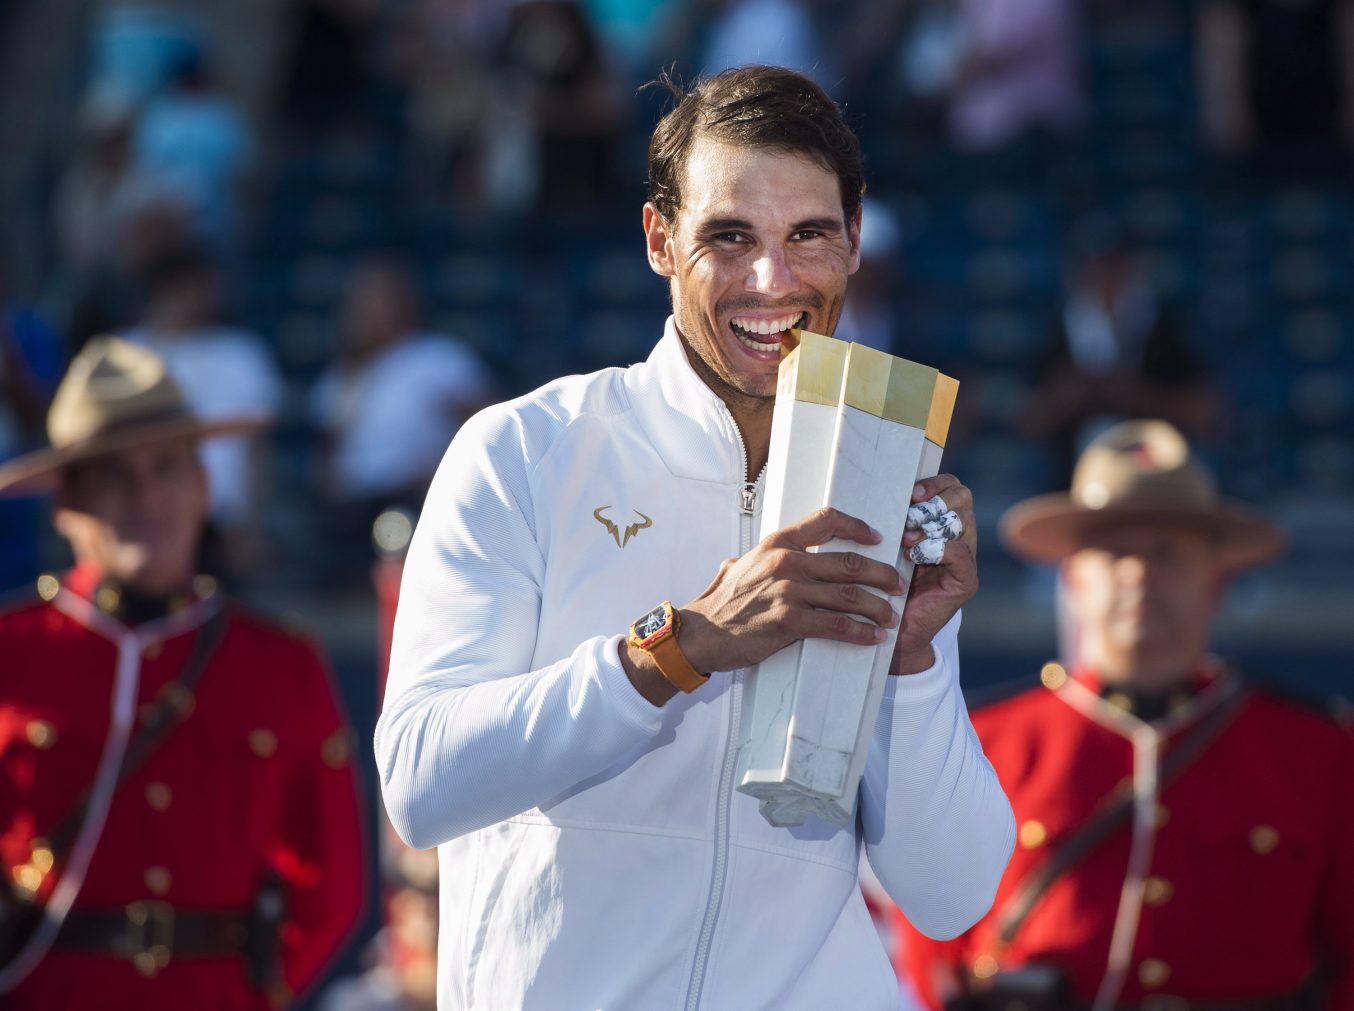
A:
(615, 531)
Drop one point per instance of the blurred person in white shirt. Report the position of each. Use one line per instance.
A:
(390, 402)
(224, 371)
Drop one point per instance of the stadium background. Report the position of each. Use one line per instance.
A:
(1258, 262)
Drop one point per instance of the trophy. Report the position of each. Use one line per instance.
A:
(854, 429)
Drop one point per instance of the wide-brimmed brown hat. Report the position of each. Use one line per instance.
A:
(115, 395)
(1138, 472)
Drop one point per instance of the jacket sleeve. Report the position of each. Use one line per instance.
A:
(470, 733)
(938, 827)
(320, 852)
(933, 968)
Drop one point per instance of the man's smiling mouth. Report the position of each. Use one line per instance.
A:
(749, 328)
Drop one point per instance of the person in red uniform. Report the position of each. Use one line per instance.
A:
(179, 817)
(1186, 835)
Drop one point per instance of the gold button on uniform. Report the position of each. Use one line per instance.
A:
(153, 649)
(1033, 834)
(159, 796)
(157, 880)
(1053, 676)
(107, 599)
(41, 734)
(48, 586)
(1264, 838)
(180, 699)
(263, 742)
(1120, 701)
(336, 749)
(28, 878)
(1153, 972)
(1157, 891)
(985, 967)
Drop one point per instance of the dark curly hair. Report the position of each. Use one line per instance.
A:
(753, 106)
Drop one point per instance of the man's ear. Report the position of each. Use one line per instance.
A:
(1070, 579)
(853, 237)
(658, 242)
(65, 504)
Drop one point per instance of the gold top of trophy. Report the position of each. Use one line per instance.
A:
(817, 369)
(942, 409)
(811, 371)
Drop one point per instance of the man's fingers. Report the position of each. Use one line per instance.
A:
(926, 512)
(848, 598)
(836, 625)
(850, 567)
(928, 551)
(948, 527)
(824, 525)
(936, 552)
(956, 495)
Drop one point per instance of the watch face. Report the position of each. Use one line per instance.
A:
(651, 623)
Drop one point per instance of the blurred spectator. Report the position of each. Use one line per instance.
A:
(390, 403)
(31, 362)
(1276, 79)
(633, 29)
(109, 297)
(776, 32)
(1006, 69)
(105, 187)
(552, 66)
(136, 45)
(442, 51)
(223, 371)
(193, 137)
(869, 316)
(1119, 352)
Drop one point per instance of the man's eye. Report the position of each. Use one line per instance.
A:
(805, 234)
(728, 237)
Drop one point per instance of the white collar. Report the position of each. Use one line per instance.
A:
(686, 422)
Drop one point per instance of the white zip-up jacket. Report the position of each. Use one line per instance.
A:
(593, 850)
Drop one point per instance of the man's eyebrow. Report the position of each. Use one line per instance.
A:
(818, 225)
(741, 225)
(726, 225)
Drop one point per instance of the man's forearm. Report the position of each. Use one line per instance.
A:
(938, 827)
(454, 758)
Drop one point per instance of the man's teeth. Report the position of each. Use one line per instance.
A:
(758, 345)
(766, 326)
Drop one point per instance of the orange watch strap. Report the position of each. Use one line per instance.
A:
(673, 664)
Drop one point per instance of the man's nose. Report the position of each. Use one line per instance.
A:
(1132, 569)
(771, 273)
(148, 492)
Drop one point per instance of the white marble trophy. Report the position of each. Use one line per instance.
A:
(853, 428)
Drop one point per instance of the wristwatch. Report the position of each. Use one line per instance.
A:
(656, 634)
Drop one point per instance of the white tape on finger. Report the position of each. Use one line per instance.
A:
(926, 512)
(949, 527)
(927, 552)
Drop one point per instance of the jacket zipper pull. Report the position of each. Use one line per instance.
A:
(747, 498)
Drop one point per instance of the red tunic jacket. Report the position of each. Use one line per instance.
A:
(1235, 880)
(257, 779)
